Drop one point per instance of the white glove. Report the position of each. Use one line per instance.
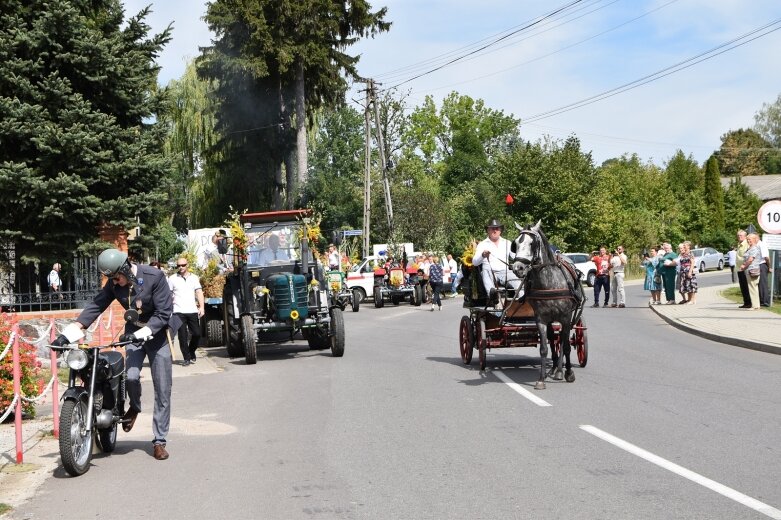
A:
(73, 332)
(144, 333)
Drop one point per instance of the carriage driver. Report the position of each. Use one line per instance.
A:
(495, 251)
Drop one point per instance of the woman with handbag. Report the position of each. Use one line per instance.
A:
(751, 267)
(653, 279)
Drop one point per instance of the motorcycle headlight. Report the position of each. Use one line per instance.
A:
(76, 359)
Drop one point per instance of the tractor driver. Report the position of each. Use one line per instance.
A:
(272, 253)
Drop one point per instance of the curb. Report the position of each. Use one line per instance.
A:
(737, 342)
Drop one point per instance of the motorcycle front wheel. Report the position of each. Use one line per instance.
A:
(75, 440)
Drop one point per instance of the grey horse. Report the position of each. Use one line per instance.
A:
(554, 291)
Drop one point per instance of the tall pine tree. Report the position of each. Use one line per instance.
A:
(77, 148)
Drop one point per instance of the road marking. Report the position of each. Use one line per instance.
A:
(721, 489)
(521, 390)
(396, 315)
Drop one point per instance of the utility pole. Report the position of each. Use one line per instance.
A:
(383, 162)
(367, 178)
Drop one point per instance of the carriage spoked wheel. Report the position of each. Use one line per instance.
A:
(481, 350)
(466, 339)
(580, 341)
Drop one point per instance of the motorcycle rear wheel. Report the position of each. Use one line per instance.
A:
(75, 441)
(108, 438)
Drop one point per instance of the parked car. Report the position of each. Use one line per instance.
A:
(708, 258)
(586, 267)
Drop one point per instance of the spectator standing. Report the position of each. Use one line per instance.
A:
(764, 270)
(688, 272)
(652, 279)
(751, 268)
(435, 278)
(740, 260)
(668, 271)
(333, 258)
(602, 278)
(189, 307)
(453, 265)
(732, 260)
(54, 281)
(617, 266)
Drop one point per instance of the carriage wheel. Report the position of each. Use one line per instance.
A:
(580, 340)
(482, 349)
(466, 339)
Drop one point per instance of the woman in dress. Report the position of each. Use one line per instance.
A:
(688, 275)
(651, 261)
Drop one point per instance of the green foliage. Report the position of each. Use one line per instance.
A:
(714, 195)
(264, 49)
(767, 122)
(741, 206)
(743, 152)
(77, 92)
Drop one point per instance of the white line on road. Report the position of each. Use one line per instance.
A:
(521, 390)
(721, 489)
(396, 315)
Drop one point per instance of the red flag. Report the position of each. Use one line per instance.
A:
(509, 199)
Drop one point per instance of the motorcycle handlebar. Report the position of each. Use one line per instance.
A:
(71, 346)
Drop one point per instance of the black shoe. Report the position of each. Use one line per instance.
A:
(192, 361)
(606, 305)
(186, 363)
(765, 305)
(596, 305)
(744, 307)
(493, 297)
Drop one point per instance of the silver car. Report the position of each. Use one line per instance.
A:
(708, 258)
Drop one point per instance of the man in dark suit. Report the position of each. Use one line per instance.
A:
(142, 290)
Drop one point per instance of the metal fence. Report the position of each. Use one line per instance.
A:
(24, 285)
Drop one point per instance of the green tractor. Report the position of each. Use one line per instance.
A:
(277, 289)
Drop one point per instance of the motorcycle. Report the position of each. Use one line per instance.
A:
(91, 410)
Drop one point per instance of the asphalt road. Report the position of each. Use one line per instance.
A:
(399, 428)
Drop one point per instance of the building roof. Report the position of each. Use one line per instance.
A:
(766, 187)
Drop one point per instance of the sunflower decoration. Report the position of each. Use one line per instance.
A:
(311, 230)
(239, 236)
(469, 252)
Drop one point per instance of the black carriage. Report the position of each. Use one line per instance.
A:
(507, 323)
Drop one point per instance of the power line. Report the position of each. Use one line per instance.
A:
(561, 49)
(459, 58)
(514, 31)
(685, 64)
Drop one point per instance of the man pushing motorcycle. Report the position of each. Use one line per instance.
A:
(143, 291)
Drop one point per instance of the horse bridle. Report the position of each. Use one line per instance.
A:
(536, 259)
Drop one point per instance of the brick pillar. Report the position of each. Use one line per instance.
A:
(115, 235)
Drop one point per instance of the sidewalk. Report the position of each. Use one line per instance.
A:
(719, 319)
(18, 483)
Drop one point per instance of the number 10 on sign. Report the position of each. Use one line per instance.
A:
(769, 217)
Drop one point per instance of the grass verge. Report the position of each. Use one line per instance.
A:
(733, 294)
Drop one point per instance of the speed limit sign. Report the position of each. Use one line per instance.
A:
(769, 217)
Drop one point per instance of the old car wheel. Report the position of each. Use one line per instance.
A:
(591, 278)
(466, 339)
(231, 332)
(721, 265)
(580, 342)
(337, 330)
(481, 350)
(378, 303)
(419, 295)
(395, 299)
(702, 267)
(248, 340)
(356, 303)
(75, 440)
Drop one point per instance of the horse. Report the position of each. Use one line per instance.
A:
(552, 288)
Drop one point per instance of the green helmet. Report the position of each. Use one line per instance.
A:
(111, 262)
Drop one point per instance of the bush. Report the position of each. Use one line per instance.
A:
(31, 383)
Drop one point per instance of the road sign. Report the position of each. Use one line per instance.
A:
(769, 217)
(352, 232)
(772, 241)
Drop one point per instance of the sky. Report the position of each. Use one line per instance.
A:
(552, 61)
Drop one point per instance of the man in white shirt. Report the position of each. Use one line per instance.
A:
(495, 252)
(453, 265)
(54, 278)
(272, 253)
(188, 305)
(617, 266)
(333, 258)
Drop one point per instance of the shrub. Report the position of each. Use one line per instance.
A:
(31, 368)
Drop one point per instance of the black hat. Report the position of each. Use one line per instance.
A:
(494, 223)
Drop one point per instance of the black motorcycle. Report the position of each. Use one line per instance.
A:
(94, 403)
